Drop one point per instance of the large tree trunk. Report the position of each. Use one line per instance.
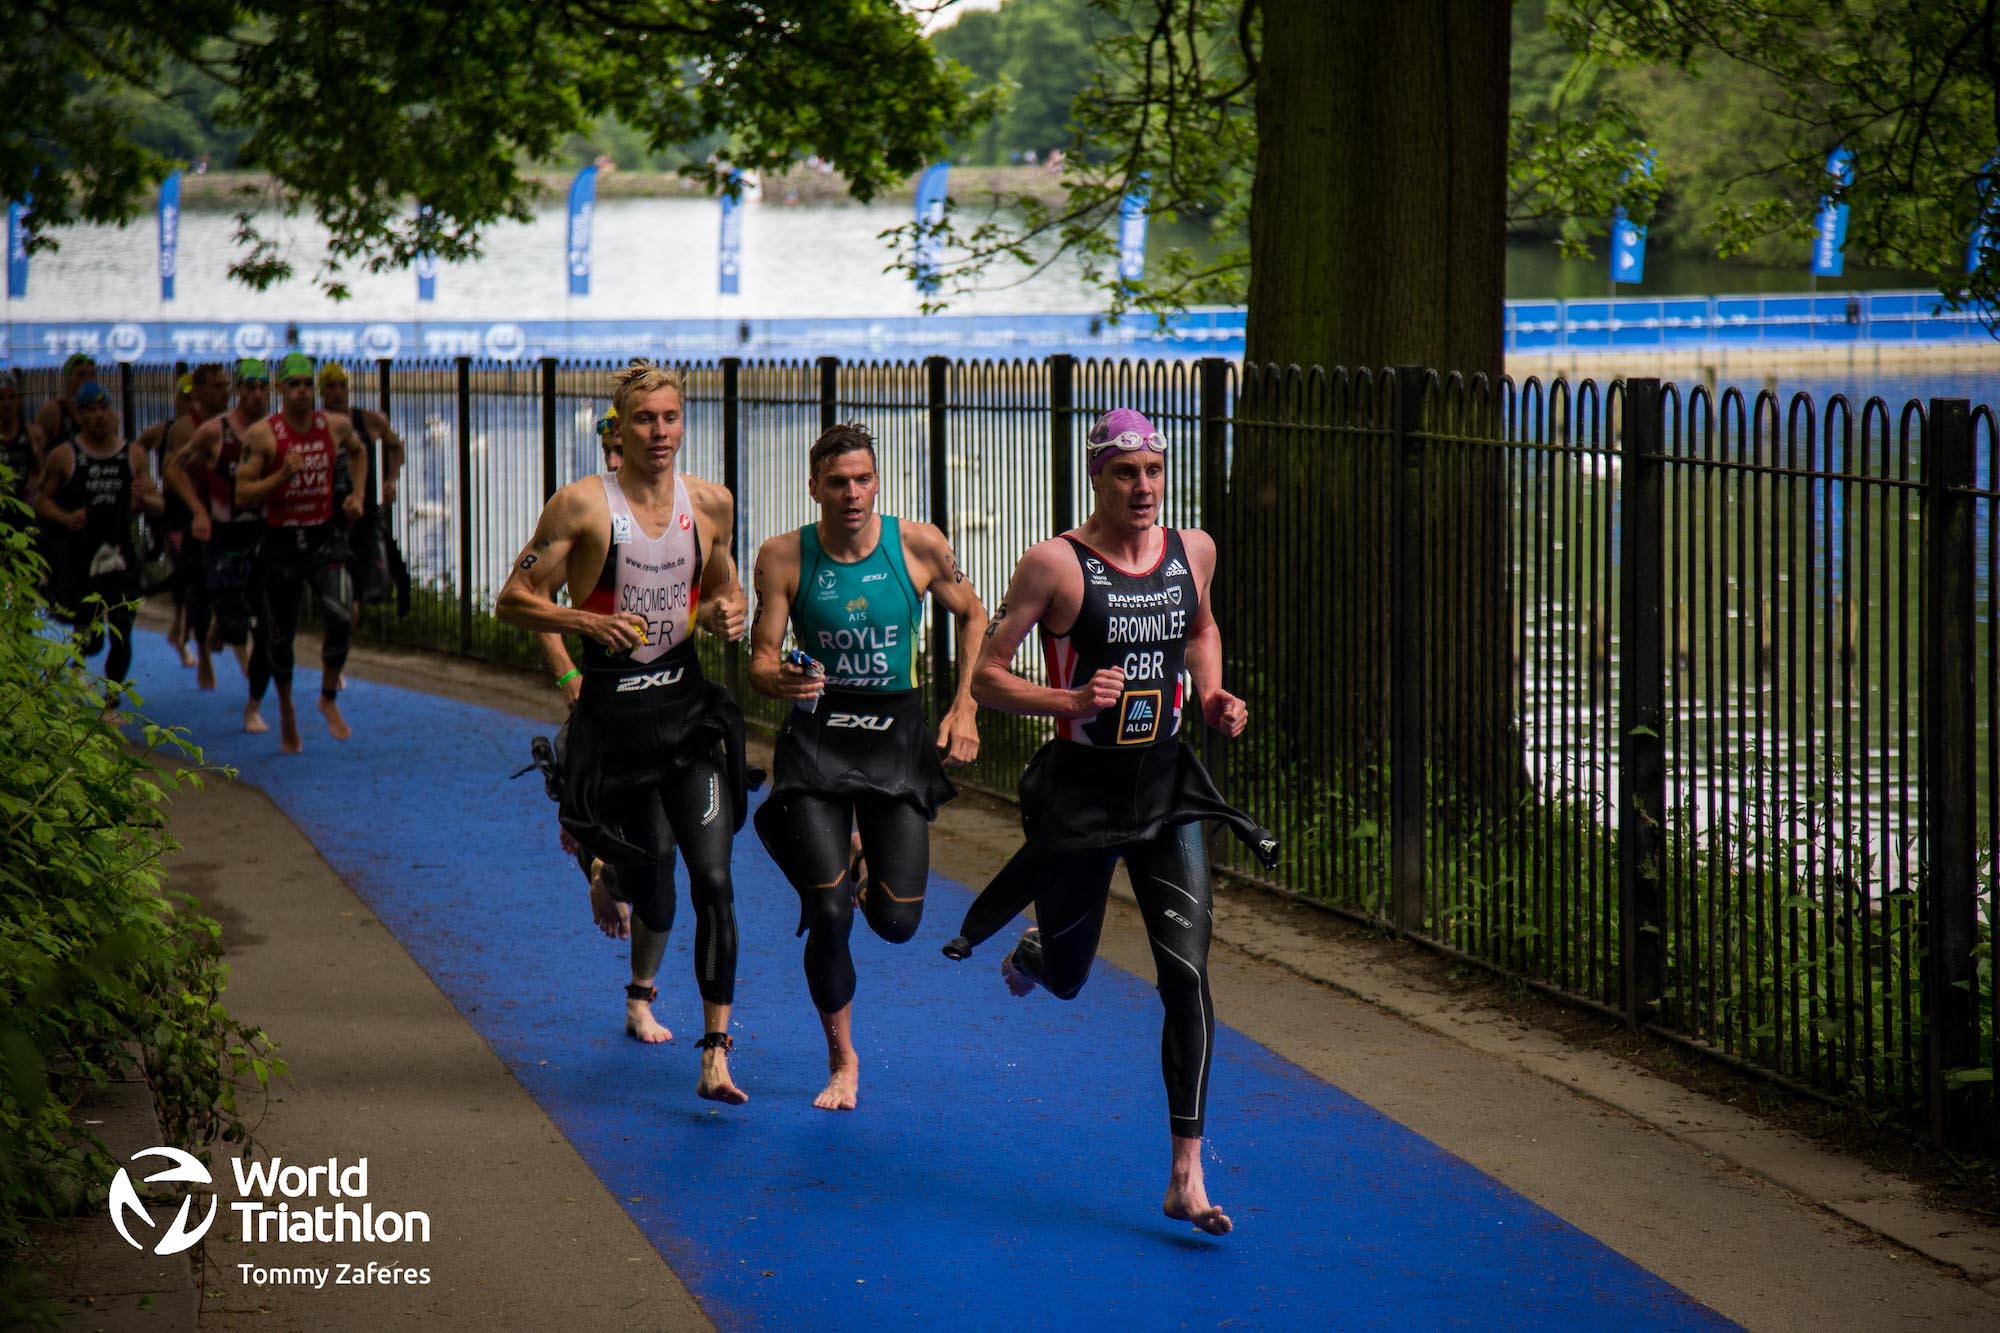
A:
(1377, 240)
(1377, 221)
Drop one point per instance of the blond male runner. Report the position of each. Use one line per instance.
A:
(655, 756)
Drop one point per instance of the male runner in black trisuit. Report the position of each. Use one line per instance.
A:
(655, 756)
(290, 461)
(210, 400)
(1122, 605)
(853, 586)
(170, 529)
(203, 474)
(89, 489)
(367, 547)
(59, 422)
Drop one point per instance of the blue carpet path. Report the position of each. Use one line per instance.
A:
(1005, 1166)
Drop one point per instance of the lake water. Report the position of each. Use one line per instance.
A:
(656, 258)
(653, 259)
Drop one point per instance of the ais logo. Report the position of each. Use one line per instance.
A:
(125, 1200)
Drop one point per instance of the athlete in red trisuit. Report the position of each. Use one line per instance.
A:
(289, 459)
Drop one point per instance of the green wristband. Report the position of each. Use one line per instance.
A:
(568, 676)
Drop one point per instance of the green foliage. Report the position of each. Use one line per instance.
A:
(357, 110)
(1909, 90)
(1739, 104)
(1170, 98)
(102, 975)
(1167, 101)
(1041, 53)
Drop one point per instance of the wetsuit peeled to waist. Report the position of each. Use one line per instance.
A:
(647, 714)
(868, 736)
(1122, 775)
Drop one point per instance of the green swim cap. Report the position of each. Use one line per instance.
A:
(296, 365)
(251, 368)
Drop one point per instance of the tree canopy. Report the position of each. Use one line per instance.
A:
(355, 110)
(1737, 105)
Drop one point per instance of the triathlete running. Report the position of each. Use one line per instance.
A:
(655, 756)
(203, 474)
(1123, 608)
(856, 751)
(289, 463)
(89, 489)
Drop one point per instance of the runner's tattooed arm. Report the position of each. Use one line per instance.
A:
(260, 446)
(527, 599)
(775, 577)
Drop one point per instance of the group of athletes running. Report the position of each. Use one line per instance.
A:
(252, 510)
(652, 759)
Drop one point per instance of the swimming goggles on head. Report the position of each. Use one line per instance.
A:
(1127, 442)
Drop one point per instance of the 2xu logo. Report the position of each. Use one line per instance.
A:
(125, 1199)
(632, 684)
(866, 721)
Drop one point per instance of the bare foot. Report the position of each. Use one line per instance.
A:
(612, 917)
(715, 1085)
(640, 1023)
(187, 653)
(113, 718)
(1019, 983)
(289, 740)
(842, 1084)
(335, 723)
(1198, 1210)
(204, 672)
(253, 720)
(1187, 1195)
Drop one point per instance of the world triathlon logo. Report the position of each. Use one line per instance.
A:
(125, 1202)
(253, 340)
(380, 342)
(505, 342)
(126, 342)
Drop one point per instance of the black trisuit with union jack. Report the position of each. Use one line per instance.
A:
(1120, 784)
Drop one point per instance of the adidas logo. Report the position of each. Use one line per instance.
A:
(1175, 568)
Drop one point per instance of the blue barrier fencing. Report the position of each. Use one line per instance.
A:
(1790, 320)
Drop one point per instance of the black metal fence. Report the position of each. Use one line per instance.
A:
(1681, 706)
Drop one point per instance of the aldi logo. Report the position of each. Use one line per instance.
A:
(1139, 717)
